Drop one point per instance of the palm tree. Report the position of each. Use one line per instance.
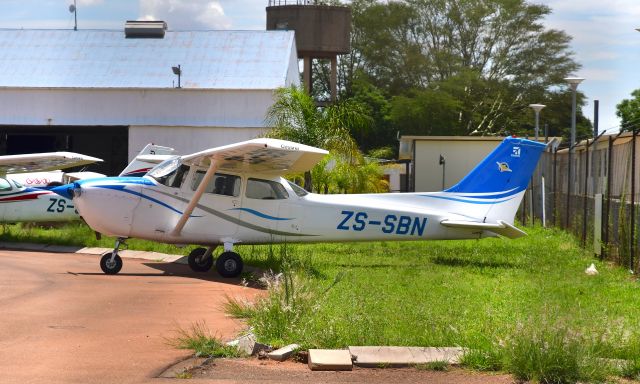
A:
(294, 116)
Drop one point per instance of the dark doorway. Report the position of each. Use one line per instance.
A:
(107, 143)
(19, 144)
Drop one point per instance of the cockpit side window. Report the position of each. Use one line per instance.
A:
(265, 190)
(178, 177)
(221, 184)
(5, 185)
(170, 173)
(298, 189)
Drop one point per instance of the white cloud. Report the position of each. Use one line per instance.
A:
(600, 74)
(87, 2)
(186, 14)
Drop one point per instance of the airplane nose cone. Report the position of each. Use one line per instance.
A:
(66, 191)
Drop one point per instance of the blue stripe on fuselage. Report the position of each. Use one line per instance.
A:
(260, 214)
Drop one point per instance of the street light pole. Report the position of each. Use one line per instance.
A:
(573, 83)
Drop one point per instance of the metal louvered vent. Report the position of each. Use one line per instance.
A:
(144, 29)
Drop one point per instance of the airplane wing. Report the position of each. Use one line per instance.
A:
(501, 228)
(260, 155)
(257, 155)
(42, 162)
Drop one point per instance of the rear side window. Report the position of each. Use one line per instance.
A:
(221, 184)
(265, 190)
(5, 185)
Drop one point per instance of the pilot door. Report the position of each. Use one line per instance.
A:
(260, 211)
(217, 214)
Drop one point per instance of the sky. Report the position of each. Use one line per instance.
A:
(605, 41)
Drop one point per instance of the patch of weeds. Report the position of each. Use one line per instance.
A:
(483, 359)
(198, 339)
(553, 356)
(439, 365)
(184, 375)
(631, 369)
(248, 279)
(238, 308)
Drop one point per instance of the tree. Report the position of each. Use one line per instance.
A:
(294, 116)
(629, 111)
(479, 63)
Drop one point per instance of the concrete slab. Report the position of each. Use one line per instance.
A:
(248, 345)
(283, 353)
(92, 250)
(403, 356)
(23, 246)
(125, 253)
(62, 248)
(330, 360)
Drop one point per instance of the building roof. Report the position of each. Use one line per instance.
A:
(106, 59)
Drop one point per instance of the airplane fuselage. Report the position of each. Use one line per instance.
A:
(253, 214)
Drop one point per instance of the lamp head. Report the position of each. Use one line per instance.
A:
(537, 107)
(574, 81)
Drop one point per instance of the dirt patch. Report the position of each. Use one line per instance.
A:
(250, 370)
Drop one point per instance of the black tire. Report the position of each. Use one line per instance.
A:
(108, 267)
(197, 263)
(229, 264)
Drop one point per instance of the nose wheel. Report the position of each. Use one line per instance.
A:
(111, 262)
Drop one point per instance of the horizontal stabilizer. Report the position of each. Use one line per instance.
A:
(501, 228)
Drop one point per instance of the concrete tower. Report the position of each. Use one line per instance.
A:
(322, 32)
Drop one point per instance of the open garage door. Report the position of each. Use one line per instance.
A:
(109, 143)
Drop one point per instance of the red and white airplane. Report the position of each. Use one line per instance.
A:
(24, 179)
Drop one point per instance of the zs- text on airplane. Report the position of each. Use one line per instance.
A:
(236, 194)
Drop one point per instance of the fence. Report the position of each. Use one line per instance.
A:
(600, 203)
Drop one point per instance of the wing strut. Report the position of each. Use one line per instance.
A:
(213, 166)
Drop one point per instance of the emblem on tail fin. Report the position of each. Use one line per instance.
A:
(503, 167)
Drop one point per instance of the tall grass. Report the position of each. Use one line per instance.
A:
(199, 339)
(523, 306)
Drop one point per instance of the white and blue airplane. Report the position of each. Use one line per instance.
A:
(236, 194)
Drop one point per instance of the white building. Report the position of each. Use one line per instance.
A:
(106, 95)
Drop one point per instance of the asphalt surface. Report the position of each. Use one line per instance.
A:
(63, 321)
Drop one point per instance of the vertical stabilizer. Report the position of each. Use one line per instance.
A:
(506, 170)
(149, 157)
(493, 190)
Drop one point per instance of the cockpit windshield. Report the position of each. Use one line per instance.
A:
(170, 172)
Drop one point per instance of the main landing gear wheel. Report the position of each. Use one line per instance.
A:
(110, 265)
(229, 264)
(198, 261)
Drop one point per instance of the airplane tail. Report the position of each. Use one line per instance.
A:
(494, 189)
(149, 157)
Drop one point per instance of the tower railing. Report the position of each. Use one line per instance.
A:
(275, 3)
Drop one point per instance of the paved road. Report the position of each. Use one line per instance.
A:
(63, 321)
